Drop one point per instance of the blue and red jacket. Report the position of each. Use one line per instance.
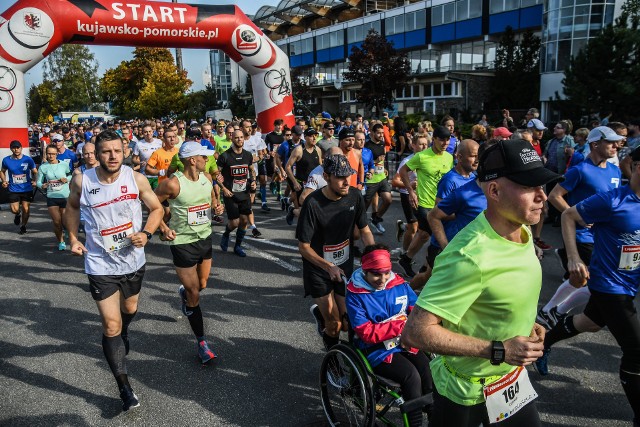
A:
(378, 315)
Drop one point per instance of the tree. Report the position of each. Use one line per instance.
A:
(379, 69)
(301, 91)
(198, 103)
(517, 79)
(238, 102)
(604, 75)
(42, 102)
(150, 84)
(72, 71)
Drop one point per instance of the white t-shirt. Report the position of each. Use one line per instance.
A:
(412, 174)
(253, 145)
(316, 179)
(145, 149)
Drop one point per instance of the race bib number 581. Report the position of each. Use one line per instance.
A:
(508, 395)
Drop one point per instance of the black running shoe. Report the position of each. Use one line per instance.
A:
(129, 398)
(23, 230)
(405, 263)
(315, 312)
(265, 208)
(256, 233)
(290, 216)
(16, 219)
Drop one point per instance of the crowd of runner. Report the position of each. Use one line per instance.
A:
(478, 205)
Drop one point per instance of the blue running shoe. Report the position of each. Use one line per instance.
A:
(183, 297)
(129, 398)
(239, 251)
(224, 243)
(205, 352)
(542, 364)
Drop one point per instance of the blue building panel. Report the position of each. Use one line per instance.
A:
(306, 59)
(443, 33)
(294, 60)
(330, 54)
(351, 45)
(415, 38)
(531, 17)
(397, 40)
(469, 28)
(500, 21)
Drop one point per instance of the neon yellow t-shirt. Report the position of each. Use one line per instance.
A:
(222, 146)
(429, 167)
(486, 287)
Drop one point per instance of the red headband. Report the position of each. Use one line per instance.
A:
(377, 260)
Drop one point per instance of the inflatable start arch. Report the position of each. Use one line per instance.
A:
(32, 29)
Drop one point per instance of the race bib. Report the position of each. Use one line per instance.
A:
(116, 238)
(629, 257)
(239, 185)
(197, 215)
(55, 185)
(20, 179)
(379, 169)
(391, 343)
(337, 254)
(508, 395)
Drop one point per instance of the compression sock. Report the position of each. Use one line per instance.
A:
(329, 341)
(631, 385)
(561, 331)
(126, 321)
(195, 320)
(227, 231)
(114, 352)
(263, 193)
(576, 299)
(278, 188)
(240, 236)
(562, 293)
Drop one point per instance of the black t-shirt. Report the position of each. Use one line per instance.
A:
(376, 149)
(235, 171)
(327, 226)
(272, 139)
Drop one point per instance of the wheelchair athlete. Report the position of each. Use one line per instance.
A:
(378, 302)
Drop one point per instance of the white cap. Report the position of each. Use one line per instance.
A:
(193, 148)
(535, 123)
(47, 129)
(57, 137)
(603, 132)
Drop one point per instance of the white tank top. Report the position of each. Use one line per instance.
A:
(112, 213)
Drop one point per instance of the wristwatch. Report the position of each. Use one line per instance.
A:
(497, 352)
(149, 235)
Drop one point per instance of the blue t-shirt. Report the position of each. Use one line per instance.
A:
(19, 171)
(583, 181)
(367, 159)
(453, 144)
(207, 143)
(450, 181)
(69, 157)
(466, 203)
(284, 151)
(615, 262)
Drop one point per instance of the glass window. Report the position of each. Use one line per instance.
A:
(462, 10)
(578, 44)
(496, 6)
(436, 16)
(564, 55)
(550, 55)
(354, 34)
(446, 89)
(437, 89)
(511, 4)
(307, 45)
(475, 8)
(448, 13)
(421, 19)
(415, 20)
(580, 26)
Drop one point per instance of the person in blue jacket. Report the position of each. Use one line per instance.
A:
(378, 303)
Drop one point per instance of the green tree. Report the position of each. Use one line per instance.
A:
(604, 75)
(238, 102)
(379, 69)
(141, 86)
(73, 71)
(198, 103)
(42, 102)
(517, 78)
(301, 91)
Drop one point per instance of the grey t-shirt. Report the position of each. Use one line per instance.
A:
(326, 144)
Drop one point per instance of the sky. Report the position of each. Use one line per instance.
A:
(195, 61)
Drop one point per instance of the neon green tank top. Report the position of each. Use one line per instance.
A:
(191, 210)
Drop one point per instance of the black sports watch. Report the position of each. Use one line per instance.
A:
(149, 235)
(497, 352)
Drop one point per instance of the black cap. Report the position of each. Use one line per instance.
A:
(346, 133)
(15, 144)
(328, 125)
(441, 132)
(297, 130)
(193, 133)
(517, 161)
(310, 131)
(337, 165)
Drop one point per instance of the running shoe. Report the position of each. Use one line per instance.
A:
(218, 219)
(224, 242)
(542, 364)
(129, 398)
(377, 221)
(279, 198)
(315, 312)
(256, 233)
(556, 317)
(405, 263)
(16, 219)
(272, 187)
(542, 318)
(400, 228)
(283, 203)
(183, 301)
(62, 246)
(336, 375)
(374, 227)
(238, 250)
(205, 352)
(290, 216)
(541, 244)
(397, 252)
(125, 340)
(265, 208)
(23, 230)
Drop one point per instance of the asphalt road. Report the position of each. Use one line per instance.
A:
(53, 372)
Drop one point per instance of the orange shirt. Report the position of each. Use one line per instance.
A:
(160, 159)
(354, 163)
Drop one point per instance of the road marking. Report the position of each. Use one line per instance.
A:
(277, 244)
(271, 219)
(270, 257)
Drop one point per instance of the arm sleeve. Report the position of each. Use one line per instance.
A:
(153, 160)
(445, 187)
(361, 212)
(572, 178)
(450, 204)
(413, 163)
(40, 180)
(367, 331)
(596, 208)
(306, 222)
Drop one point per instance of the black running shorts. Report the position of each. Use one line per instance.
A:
(235, 207)
(102, 287)
(190, 254)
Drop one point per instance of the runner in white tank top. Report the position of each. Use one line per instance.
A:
(109, 197)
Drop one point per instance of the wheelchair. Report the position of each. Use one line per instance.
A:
(353, 395)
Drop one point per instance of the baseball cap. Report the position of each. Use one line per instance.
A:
(193, 148)
(603, 132)
(535, 123)
(221, 123)
(346, 133)
(193, 133)
(517, 161)
(30, 130)
(47, 129)
(502, 132)
(326, 115)
(15, 144)
(297, 130)
(310, 131)
(57, 137)
(441, 132)
(328, 125)
(337, 165)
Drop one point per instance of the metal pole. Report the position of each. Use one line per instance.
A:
(178, 52)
